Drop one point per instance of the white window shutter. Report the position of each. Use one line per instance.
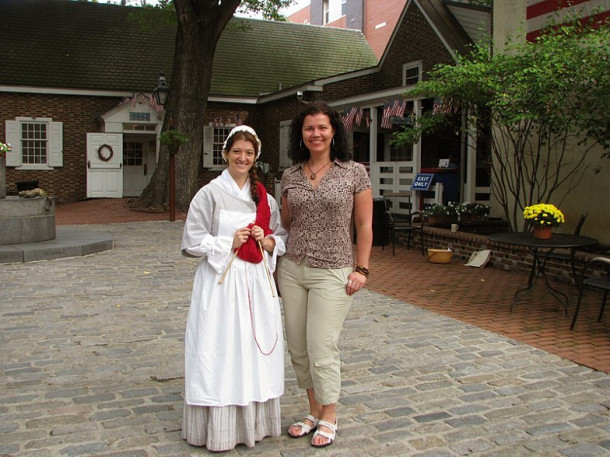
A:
(285, 160)
(13, 158)
(56, 144)
(208, 146)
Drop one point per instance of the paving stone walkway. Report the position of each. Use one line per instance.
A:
(91, 364)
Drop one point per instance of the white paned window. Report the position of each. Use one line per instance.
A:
(333, 10)
(34, 142)
(411, 73)
(213, 140)
(133, 153)
(37, 143)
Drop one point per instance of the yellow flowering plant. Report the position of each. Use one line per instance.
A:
(543, 215)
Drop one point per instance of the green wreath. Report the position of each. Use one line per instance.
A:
(105, 157)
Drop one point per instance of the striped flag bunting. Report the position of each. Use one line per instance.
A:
(542, 14)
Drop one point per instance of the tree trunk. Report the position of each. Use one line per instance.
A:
(199, 28)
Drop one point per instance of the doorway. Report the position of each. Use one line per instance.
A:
(139, 160)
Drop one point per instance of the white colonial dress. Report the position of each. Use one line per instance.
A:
(234, 347)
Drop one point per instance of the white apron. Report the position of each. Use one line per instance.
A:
(234, 348)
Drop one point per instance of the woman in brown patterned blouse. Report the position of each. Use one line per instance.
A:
(321, 194)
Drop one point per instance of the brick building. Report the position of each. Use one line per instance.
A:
(83, 73)
(377, 19)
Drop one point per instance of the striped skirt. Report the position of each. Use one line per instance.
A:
(221, 428)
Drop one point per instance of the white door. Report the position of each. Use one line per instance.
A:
(104, 165)
(139, 159)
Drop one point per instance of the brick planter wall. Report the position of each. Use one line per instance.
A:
(509, 258)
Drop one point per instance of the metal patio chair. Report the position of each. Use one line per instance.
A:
(570, 255)
(595, 282)
(410, 224)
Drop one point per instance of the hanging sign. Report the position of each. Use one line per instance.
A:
(139, 116)
(422, 181)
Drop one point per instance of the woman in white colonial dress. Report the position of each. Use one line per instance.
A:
(234, 348)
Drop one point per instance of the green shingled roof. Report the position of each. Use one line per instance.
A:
(80, 45)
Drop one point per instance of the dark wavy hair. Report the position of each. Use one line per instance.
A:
(253, 172)
(339, 150)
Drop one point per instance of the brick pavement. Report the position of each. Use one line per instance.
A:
(92, 365)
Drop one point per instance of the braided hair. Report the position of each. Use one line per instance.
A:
(253, 181)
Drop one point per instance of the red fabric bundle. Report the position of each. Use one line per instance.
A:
(250, 251)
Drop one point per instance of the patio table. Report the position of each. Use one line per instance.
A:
(541, 250)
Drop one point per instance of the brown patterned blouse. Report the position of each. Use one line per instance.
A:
(322, 217)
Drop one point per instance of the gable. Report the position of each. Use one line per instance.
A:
(415, 39)
(424, 22)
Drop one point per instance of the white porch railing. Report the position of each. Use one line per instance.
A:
(396, 178)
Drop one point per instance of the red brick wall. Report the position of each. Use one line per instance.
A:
(78, 115)
(415, 40)
(340, 23)
(507, 257)
(301, 16)
(376, 13)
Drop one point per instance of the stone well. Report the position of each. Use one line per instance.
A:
(26, 220)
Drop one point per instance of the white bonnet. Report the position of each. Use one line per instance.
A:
(244, 128)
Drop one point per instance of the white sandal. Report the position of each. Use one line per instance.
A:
(306, 429)
(330, 436)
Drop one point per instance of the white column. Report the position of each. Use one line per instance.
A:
(417, 203)
(373, 152)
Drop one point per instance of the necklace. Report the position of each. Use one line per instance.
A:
(314, 174)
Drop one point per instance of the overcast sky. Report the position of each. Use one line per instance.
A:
(296, 7)
(287, 11)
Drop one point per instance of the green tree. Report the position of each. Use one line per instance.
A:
(542, 106)
(199, 26)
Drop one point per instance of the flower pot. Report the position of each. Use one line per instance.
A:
(442, 221)
(2, 176)
(542, 233)
(439, 255)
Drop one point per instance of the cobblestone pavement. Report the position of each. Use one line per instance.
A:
(91, 364)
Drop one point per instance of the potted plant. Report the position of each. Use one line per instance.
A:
(542, 217)
(4, 149)
(173, 139)
(441, 215)
(471, 212)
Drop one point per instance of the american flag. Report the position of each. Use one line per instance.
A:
(387, 114)
(400, 112)
(358, 119)
(392, 108)
(541, 14)
(349, 115)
